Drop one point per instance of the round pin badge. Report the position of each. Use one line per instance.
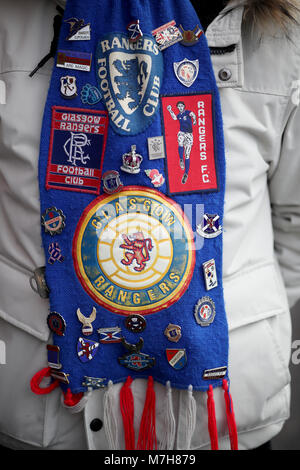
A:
(56, 323)
(53, 220)
(205, 311)
(135, 323)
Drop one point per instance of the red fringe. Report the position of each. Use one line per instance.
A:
(71, 399)
(127, 410)
(212, 423)
(147, 435)
(230, 417)
(37, 379)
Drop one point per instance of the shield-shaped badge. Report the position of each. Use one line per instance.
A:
(186, 71)
(130, 77)
(176, 358)
(86, 349)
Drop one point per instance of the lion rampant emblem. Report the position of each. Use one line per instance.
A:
(131, 81)
(138, 249)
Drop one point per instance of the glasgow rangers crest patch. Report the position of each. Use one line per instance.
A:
(129, 76)
(128, 255)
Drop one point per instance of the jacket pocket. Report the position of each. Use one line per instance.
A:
(259, 346)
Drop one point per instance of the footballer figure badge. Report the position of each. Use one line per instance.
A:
(68, 87)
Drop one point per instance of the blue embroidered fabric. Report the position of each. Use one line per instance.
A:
(125, 232)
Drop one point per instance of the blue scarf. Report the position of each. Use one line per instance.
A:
(132, 182)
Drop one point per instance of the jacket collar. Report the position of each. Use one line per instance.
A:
(226, 27)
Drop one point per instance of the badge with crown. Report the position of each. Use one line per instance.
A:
(132, 161)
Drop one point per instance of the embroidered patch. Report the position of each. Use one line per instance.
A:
(90, 95)
(130, 76)
(128, 255)
(74, 60)
(79, 30)
(186, 71)
(176, 358)
(189, 141)
(77, 145)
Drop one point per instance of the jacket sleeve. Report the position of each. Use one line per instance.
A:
(284, 185)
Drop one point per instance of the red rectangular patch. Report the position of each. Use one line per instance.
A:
(77, 145)
(189, 141)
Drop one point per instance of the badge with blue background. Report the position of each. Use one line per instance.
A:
(130, 77)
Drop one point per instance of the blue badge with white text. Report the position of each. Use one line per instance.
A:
(129, 76)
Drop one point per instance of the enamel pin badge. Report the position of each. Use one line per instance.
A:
(79, 30)
(205, 311)
(87, 327)
(68, 87)
(186, 71)
(210, 274)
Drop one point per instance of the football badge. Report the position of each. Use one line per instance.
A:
(210, 226)
(156, 177)
(176, 358)
(56, 323)
(135, 30)
(129, 76)
(79, 30)
(167, 35)
(173, 333)
(53, 220)
(205, 311)
(90, 95)
(210, 274)
(190, 37)
(86, 349)
(110, 335)
(87, 327)
(111, 182)
(186, 71)
(68, 87)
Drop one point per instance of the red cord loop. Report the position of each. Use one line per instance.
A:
(37, 379)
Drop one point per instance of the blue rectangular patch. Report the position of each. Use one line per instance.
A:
(77, 146)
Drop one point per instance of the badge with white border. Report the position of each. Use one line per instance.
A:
(156, 177)
(129, 75)
(189, 141)
(205, 311)
(210, 274)
(68, 87)
(127, 253)
(186, 71)
(79, 30)
(210, 226)
(176, 358)
(74, 60)
(77, 145)
(167, 35)
(156, 147)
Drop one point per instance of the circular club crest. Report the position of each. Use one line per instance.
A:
(205, 311)
(133, 251)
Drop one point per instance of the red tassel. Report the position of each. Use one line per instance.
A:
(230, 417)
(127, 410)
(147, 435)
(37, 379)
(71, 399)
(212, 423)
